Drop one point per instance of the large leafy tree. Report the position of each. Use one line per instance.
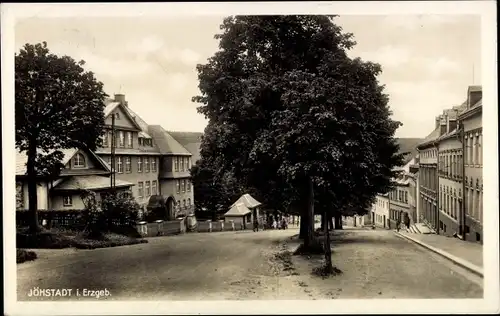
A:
(295, 116)
(58, 105)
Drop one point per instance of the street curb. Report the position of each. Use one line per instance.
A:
(458, 261)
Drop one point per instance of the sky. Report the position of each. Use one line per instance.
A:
(428, 61)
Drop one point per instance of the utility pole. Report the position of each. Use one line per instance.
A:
(473, 74)
(113, 146)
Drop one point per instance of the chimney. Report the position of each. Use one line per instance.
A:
(452, 125)
(475, 93)
(443, 125)
(121, 98)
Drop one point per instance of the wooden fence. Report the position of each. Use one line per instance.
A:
(70, 219)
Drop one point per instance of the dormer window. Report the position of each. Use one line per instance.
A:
(79, 161)
(141, 141)
(117, 116)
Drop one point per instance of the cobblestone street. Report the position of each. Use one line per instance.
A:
(247, 265)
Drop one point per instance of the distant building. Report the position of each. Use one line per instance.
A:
(402, 202)
(381, 214)
(380, 211)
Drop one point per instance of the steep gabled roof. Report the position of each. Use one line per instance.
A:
(409, 146)
(434, 135)
(189, 140)
(165, 142)
(92, 182)
(111, 105)
(238, 210)
(142, 124)
(248, 201)
(22, 159)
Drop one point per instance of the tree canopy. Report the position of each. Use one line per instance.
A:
(286, 105)
(58, 105)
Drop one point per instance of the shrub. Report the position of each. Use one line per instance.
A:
(119, 208)
(110, 240)
(25, 255)
(43, 239)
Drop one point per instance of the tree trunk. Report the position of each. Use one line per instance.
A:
(338, 221)
(32, 194)
(303, 226)
(328, 250)
(309, 238)
(323, 221)
(330, 222)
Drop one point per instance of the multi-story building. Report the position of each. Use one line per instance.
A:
(428, 178)
(450, 173)
(174, 176)
(415, 189)
(380, 211)
(470, 123)
(399, 200)
(457, 190)
(148, 157)
(136, 154)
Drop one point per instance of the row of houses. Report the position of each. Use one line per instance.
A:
(400, 202)
(148, 161)
(451, 171)
(441, 182)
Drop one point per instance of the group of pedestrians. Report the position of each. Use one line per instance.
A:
(272, 223)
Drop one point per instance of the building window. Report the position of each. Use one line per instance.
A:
(105, 139)
(183, 185)
(154, 187)
(176, 163)
(117, 116)
(184, 203)
(146, 164)
(480, 149)
(469, 150)
(79, 161)
(119, 165)
(476, 158)
(188, 185)
(140, 141)
(110, 139)
(188, 163)
(67, 200)
(148, 189)
(139, 164)
(189, 201)
(406, 197)
(153, 164)
(140, 186)
(178, 184)
(128, 164)
(109, 163)
(129, 139)
(182, 163)
(122, 138)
